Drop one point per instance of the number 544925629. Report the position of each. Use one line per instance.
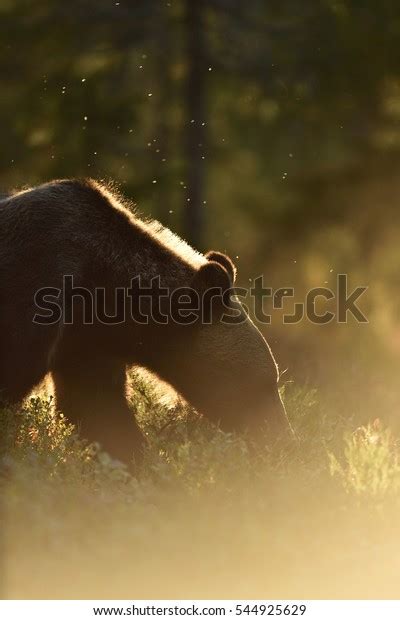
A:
(270, 609)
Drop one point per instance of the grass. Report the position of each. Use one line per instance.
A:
(208, 515)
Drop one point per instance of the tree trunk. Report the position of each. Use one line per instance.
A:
(195, 122)
(163, 111)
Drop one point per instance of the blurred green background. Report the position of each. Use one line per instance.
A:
(268, 130)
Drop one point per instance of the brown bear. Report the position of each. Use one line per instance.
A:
(74, 232)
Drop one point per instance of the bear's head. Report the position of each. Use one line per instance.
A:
(223, 365)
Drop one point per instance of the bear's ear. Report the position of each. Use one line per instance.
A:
(213, 283)
(211, 275)
(225, 262)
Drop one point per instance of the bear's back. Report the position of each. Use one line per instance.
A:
(60, 211)
(60, 226)
(57, 199)
(77, 222)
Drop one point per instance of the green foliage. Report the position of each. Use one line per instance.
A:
(39, 440)
(370, 462)
(201, 498)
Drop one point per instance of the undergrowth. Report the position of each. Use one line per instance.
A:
(208, 514)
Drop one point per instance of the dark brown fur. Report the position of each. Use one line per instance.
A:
(79, 228)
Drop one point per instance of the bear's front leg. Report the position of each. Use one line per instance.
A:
(91, 394)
